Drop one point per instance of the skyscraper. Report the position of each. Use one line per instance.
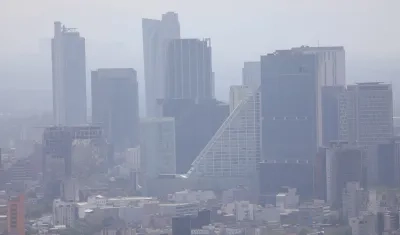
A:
(344, 163)
(289, 88)
(115, 106)
(188, 69)
(156, 35)
(69, 76)
(195, 123)
(366, 119)
(367, 113)
(251, 74)
(330, 101)
(332, 64)
(235, 149)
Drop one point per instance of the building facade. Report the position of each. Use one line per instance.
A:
(366, 119)
(289, 88)
(189, 69)
(251, 74)
(332, 61)
(16, 215)
(69, 76)
(367, 113)
(115, 106)
(344, 163)
(237, 94)
(156, 34)
(331, 96)
(158, 146)
(195, 124)
(235, 149)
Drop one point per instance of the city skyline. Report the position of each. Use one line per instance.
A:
(296, 147)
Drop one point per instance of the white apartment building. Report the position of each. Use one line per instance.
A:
(64, 213)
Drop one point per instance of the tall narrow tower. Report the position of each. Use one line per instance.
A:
(156, 35)
(69, 76)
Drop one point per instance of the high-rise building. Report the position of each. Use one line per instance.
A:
(332, 64)
(388, 167)
(156, 35)
(275, 175)
(366, 119)
(238, 94)
(235, 149)
(344, 163)
(69, 76)
(57, 153)
(330, 101)
(157, 143)
(188, 69)
(319, 180)
(115, 106)
(289, 88)
(195, 123)
(16, 215)
(367, 113)
(251, 74)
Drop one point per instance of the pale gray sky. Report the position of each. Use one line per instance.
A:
(240, 30)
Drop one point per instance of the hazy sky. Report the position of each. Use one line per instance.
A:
(240, 30)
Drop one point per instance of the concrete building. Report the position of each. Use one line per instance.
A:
(251, 74)
(57, 153)
(288, 200)
(344, 163)
(235, 149)
(115, 106)
(290, 110)
(363, 225)
(16, 215)
(366, 119)
(244, 210)
(64, 213)
(189, 69)
(133, 159)
(354, 200)
(158, 146)
(70, 190)
(69, 76)
(156, 34)
(237, 94)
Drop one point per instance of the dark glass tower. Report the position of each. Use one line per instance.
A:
(115, 106)
(289, 89)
